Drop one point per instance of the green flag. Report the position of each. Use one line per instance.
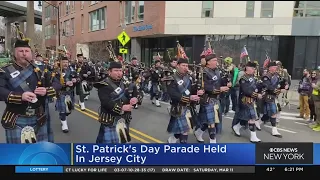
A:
(235, 76)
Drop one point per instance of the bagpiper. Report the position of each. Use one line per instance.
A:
(48, 77)
(136, 72)
(116, 102)
(181, 93)
(23, 90)
(65, 101)
(209, 115)
(247, 98)
(271, 82)
(156, 76)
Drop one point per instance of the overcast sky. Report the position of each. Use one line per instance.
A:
(24, 3)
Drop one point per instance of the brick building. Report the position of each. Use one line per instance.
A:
(287, 30)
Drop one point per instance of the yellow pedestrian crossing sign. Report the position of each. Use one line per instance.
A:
(123, 38)
(123, 51)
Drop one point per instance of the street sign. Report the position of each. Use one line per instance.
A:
(123, 51)
(123, 38)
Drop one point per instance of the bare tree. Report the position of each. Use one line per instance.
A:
(38, 38)
(70, 44)
(98, 51)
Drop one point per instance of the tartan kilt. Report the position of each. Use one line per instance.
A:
(179, 125)
(13, 136)
(60, 103)
(206, 113)
(154, 88)
(247, 112)
(108, 134)
(270, 108)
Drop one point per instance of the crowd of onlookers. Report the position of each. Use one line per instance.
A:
(309, 99)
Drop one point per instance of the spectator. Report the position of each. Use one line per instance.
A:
(304, 90)
(316, 100)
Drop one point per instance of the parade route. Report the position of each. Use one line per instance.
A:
(149, 125)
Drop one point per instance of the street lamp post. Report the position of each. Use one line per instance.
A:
(58, 24)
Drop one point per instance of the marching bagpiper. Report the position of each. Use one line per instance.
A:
(82, 88)
(65, 101)
(48, 77)
(247, 98)
(100, 72)
(156, 76)
(182, 93)
(135, 71)
(209, 115)
(24, 91)
(272, 82)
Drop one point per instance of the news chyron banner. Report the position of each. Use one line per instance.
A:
(286, 153)
(146, 155)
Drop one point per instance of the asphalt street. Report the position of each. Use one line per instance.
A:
(149, 125)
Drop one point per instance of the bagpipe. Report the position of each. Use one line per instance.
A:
(127, 80)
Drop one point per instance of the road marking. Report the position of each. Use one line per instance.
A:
(289, 114)
(301, 123)
(283, 116)
(96, 118)
(131, 129)
(281, 129)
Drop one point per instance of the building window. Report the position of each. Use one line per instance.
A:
(72, 6)
(82, 23)
(67, 27)
(267, 9)
(62, 29)
(54, 30)
(82, 5)
(306, 9)
(127, 8)
(72, 27)
(207, 9)
(141, 11)
(97, 19)
(250, 9)
(47, 33)
(67, 7)
(133, 10)
(47, 13)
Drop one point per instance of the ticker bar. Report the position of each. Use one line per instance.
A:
(159, 169)
(270, 169)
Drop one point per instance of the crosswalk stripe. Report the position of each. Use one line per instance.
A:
(289, 114)
(304, 124)
(280, 129)
(284, 115)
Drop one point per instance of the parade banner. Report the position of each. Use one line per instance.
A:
(160, 154)
(164, 154)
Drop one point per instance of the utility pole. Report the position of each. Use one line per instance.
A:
(122, 22)
(30, 22)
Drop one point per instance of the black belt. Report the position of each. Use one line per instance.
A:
(29, 112)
